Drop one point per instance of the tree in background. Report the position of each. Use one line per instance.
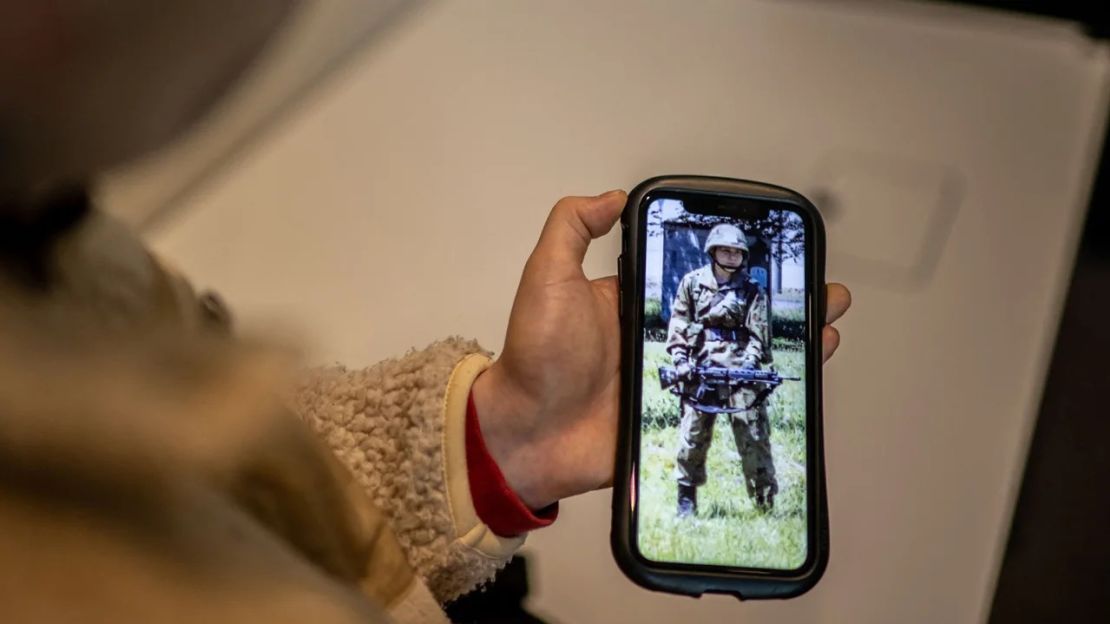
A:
(787, 235)
(783, 229)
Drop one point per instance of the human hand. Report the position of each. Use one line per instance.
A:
(548, 407)
(684, 371)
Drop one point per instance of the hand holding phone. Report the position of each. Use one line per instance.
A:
(548, 407)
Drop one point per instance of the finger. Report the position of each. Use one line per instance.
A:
(573, 223)
(837, 301)
(830, 340)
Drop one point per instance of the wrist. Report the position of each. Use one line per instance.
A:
(506, 417)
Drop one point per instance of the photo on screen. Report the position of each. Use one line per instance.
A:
(722, 472)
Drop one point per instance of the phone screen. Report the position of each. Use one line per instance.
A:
(722, 472)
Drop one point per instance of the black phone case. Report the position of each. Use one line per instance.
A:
(744, 584)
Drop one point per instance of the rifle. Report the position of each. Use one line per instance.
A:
(721, 381)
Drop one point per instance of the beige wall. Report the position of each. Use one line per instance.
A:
(446, 144)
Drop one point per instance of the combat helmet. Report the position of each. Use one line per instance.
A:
(726, 235)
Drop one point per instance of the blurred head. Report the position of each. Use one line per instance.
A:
(88, 84)
(728, 258)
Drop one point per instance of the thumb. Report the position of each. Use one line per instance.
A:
(572, 224)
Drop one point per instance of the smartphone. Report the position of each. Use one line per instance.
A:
(720, 478)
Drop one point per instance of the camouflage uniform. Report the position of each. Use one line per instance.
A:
(722, 325)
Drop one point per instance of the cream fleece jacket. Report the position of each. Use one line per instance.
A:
(399, 426)
(148, 473)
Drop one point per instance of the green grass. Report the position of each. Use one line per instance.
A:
(658, 408)
(796, 295)
(796, 315)
(729, 530)
(787, 322)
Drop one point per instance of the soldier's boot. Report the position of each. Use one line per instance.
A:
(765, 500)
(765, 495)
(687, 501)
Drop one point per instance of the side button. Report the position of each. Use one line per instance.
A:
(620, 286)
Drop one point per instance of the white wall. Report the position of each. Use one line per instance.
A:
(448, 143)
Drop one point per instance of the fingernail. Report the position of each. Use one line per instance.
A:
(610, 193)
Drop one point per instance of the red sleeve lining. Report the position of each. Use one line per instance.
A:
(496, 503)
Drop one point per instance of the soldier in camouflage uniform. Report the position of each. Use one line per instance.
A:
(719, 318)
